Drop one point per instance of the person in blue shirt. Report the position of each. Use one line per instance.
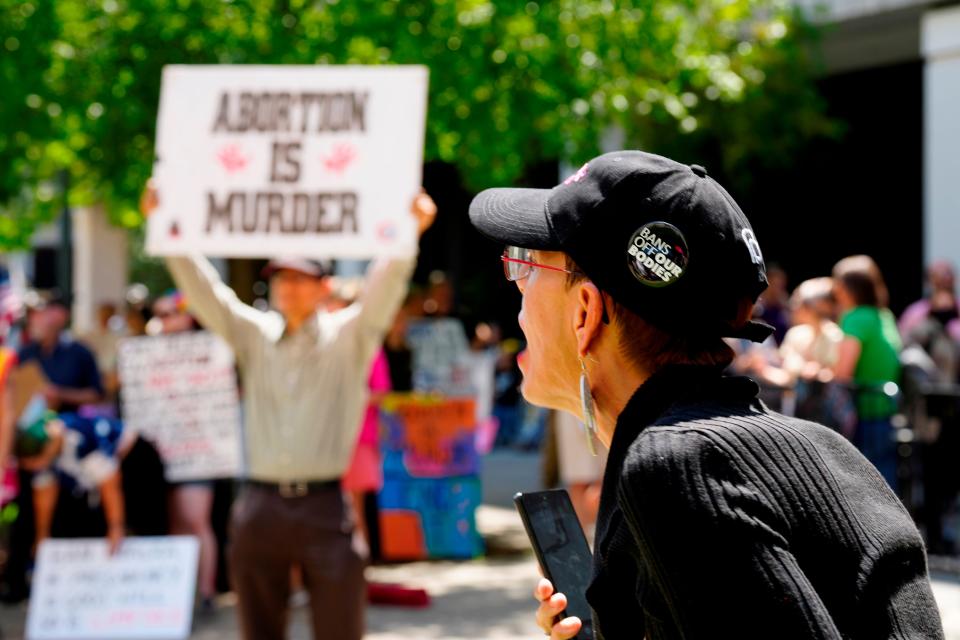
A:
(73, 380)
(79, 454)
(69, 367)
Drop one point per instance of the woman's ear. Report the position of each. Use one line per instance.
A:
(588, 316)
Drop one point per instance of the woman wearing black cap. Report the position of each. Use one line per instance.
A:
(718, 517)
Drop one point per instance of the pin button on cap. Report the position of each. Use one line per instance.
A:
(700, 171)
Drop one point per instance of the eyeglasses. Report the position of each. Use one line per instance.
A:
(518, 263)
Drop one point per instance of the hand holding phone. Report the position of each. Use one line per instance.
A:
(551, 611)
(564, 557)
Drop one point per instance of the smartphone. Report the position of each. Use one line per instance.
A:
(561, 548)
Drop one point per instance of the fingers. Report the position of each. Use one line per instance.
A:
(425, 211)
(149, 199)
(543, 590)
(551, 606)
(424, 205)
(548, 611)
(565, 629)
(115, 535)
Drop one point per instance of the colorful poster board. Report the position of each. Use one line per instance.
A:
(430, 518)
(428, 436)
(180, 392)
(431, 478)
(310, 161)
(145, 591)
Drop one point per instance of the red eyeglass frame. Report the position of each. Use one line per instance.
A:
(506, 259)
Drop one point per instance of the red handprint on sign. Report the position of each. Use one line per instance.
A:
(232, 158)
(343, 155)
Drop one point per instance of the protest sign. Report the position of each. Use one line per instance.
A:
(180, 392)
(426, 436)
(431, 483)
(309, 161)
(441, 357)
(145, 590)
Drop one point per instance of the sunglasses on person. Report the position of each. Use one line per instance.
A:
(518, 263)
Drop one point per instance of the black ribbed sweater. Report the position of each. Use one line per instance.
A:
(722, 519)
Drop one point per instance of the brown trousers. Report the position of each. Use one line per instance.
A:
(269, 534)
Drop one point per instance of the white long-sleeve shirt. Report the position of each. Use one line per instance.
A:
(304, 393)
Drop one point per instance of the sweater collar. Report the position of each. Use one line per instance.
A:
(658, 393)
(669, 385)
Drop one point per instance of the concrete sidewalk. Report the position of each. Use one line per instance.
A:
(485, 598)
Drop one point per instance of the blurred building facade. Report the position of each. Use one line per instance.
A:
(910, 52)
(878, 33)
(98, 257)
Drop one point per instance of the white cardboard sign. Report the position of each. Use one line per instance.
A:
(309, 161)
(146, 590)
(180, 392)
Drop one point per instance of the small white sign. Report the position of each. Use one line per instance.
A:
(308, 161)
(180, 392)
(441, 357)
(81, 592)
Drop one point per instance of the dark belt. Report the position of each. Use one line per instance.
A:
(296, 489)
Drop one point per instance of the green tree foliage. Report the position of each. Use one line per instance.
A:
(512, 83)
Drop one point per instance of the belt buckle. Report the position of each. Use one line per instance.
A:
(292, 489)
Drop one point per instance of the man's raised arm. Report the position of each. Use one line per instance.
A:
(214, 303)
(387, 279)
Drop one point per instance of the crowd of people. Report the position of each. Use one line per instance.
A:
(837, 355)
(840, 357)
(80, 473)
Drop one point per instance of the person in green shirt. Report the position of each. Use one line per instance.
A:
(869, 358)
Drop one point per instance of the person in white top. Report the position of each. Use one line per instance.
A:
(581, 472)
(809, 351)
(811, 346)
(305, 380)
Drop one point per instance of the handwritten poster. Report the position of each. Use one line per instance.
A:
(180, 392)
(310, 161)
(145, 590)
(441, 357)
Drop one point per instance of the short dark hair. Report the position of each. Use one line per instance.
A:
(861, 277)
(651, 347)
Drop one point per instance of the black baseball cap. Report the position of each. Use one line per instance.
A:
(312, 268)
(664, 239)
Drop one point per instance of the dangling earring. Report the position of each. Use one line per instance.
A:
(586, 403)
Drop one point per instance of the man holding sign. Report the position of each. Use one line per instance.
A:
(287, 160)
(304, 374)
(293, 161)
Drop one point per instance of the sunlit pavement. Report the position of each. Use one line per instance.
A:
(486, 598)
